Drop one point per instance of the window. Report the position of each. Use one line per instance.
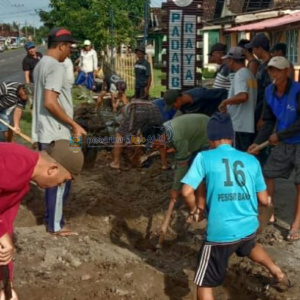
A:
(214, 37)
(292, 46)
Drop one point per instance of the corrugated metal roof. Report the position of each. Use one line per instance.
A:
(267, 24)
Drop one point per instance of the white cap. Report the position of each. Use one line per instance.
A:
(87, 43)
(279, 62)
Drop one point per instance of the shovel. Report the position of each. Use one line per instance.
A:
(6, 282)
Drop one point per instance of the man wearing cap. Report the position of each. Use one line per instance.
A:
(143, 77)
(280, 49)
(116, 86)
(13, 98)
(234, 185)
(30, 61)
(282, 114)
(241, 100)
(253, 63)
(19, 166)
(53, 116)
(88, 66)
(197, 100)
(224, 76)
(260, 46)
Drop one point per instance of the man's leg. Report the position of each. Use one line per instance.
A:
(100, 100)
(296, 223)
(117, 152)
(55, 198)
(259, 255)
(205, 293)
(9, 135)
(271, 188)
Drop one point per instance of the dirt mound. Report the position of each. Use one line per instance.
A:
(118, 216)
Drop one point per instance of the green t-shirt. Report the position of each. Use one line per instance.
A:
(188, 136)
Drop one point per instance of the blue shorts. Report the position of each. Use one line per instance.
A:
(86, 79)
(5, 118)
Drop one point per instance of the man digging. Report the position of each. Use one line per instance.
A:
(234, 182)
(20, 165)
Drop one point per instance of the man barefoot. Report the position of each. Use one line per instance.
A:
(233, 181)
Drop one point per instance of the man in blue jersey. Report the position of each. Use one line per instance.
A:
(282, 113)
(233, 181)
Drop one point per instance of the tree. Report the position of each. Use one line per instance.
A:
(90, 19)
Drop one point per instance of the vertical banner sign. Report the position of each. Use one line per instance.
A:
(183, 46)
(175, 38)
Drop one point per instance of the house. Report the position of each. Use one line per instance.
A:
(236, 19)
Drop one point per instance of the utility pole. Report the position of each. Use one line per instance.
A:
(111, 14)
(33, 23)
(145, 22)
(18, 6)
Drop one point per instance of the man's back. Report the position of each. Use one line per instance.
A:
(242, 114)
(233, 178)
(188, 133)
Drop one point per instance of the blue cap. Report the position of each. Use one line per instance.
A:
(29, 45)
(220, 127)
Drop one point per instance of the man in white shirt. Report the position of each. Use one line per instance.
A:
(88, 65)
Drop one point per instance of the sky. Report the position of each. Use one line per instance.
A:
(24, 11)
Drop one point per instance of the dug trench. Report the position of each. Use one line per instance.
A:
(118, 217)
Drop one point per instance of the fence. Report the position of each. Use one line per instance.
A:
(124, 66)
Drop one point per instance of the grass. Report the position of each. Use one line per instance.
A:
(155, 92)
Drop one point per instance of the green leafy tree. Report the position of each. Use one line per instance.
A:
(91, 19)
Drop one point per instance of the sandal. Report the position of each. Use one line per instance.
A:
(294, 235)
(64, 233)
(283, 285)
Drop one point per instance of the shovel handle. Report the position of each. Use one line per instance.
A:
(166, 223)
(6, 282)
(262, 145)
(22, 135)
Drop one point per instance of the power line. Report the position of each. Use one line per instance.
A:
(21, 12)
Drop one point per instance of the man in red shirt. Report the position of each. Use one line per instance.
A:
(19, 166)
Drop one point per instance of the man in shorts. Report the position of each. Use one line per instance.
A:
(282, 113)
(234, 182)
(116, 86)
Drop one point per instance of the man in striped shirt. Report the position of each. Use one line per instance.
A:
(13, 97)
(224, 76)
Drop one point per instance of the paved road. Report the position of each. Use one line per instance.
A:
(11, 64)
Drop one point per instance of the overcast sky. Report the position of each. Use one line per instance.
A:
(22, 11)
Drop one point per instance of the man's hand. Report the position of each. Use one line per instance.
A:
(7, 249)
(273, 140)
(197, 215)
(14, 295)
(78, 130)
(252, 149)
(174, 195)
(223, 107)
(17, 129)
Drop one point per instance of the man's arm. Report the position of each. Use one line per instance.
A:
(27, 76)
(52, 105)
(149, 81)
(293, 129)
(17, 118)
(267, 128)
(263, 198)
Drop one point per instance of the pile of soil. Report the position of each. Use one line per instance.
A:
(118, 216)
